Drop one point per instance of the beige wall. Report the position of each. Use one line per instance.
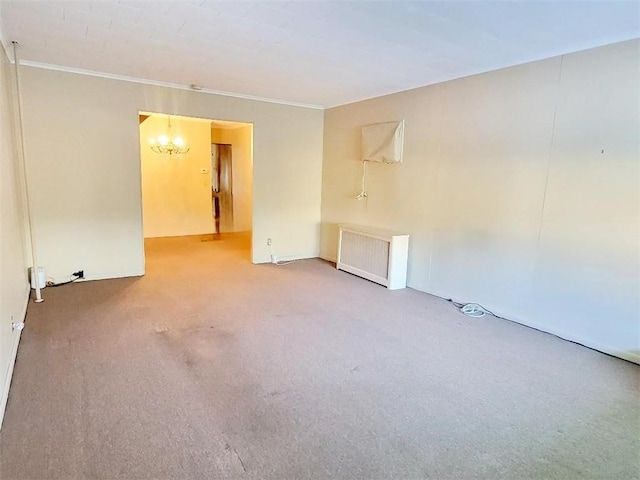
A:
(83, 154)
(240, 139)
(176, 195)
(14, 288)
(520, 189)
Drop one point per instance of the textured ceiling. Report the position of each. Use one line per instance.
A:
(310, 52)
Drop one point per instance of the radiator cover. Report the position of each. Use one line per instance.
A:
(375, 254)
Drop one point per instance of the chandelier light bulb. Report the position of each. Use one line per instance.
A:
(167, 144)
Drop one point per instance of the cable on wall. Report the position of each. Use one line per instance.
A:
(21, 152)
(74, 277)
(363, 185)
(274, 258)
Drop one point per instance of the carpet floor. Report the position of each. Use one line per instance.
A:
(210, 367)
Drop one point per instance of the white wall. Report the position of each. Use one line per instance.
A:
(176, 195)
(506, 193)
(240, 139)
(14, 289)
(83, 155)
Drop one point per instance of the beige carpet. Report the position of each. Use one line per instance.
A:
(210, 367)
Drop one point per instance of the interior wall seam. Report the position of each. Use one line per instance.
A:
(550, 154)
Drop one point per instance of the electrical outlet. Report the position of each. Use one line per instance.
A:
(269, 241)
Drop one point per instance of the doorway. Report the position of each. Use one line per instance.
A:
(222, 186)
(232, 142)
(202, 190)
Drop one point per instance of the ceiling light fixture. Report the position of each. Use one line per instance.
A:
(167, 144)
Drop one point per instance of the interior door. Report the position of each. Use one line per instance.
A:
(222, 186)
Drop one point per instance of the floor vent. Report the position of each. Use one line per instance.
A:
(375, 254)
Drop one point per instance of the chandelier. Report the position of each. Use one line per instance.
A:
(168, 144)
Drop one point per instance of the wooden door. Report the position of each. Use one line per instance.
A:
(222, 181)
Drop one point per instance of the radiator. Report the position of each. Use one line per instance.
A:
(375, 254)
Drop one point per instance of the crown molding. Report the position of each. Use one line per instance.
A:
(5, 44)
(113, 76)
(7, 51)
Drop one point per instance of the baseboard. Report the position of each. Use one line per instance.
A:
(99, 276)
(328, 258)
(293, 258)
(285, 258)
(629, 356)
(112, 275)
(585, 342)
(12, 362)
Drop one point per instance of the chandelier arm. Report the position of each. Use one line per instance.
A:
(167, 144)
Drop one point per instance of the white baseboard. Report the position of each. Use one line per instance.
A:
(12, 361)
(293, 258)
(630, 356)
(624, 355)
(285, 258)
(111, 275)
(99, 276)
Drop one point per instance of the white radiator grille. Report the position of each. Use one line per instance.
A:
(365, 253)
(375, 254)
